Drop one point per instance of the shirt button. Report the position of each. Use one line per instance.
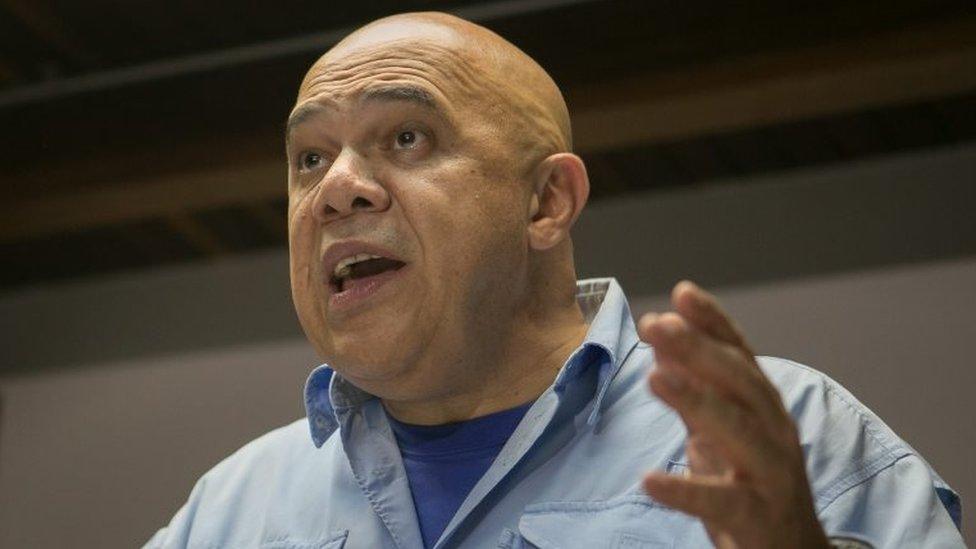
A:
(321, 422)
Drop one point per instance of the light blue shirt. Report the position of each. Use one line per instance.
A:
(568, 477)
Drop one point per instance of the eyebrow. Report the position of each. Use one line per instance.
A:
(300, 115)
(384, 94)
(409, 94)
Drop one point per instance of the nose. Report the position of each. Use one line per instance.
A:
(347, 188)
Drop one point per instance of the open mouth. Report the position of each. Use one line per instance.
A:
(354, 270)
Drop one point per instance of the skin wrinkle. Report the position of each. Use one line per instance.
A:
(411, 59)
(541, 129)
(325, 91)
(442, 59)
(411, 94)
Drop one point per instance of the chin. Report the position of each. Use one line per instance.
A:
(383, 380)
(372, 356)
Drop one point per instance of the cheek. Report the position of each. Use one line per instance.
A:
(303, 231)
(299, 254)
(483, 240)
(303, 244)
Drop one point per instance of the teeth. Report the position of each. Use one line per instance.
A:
(344, 267)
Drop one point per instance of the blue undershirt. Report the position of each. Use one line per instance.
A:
(444, 462)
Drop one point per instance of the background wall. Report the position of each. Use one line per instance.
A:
(143, 381)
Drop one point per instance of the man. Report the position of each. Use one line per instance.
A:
(476, 394)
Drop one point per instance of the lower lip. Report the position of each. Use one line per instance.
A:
(356, 291)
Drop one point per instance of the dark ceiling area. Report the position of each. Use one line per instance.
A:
(139, 134)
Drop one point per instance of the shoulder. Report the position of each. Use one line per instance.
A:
(822, 406)
(260, 491)
(265, 461)
(233, 499)
(864, 477)
(845, 443)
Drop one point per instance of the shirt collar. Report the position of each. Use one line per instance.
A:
(612, 335)
(610, 339)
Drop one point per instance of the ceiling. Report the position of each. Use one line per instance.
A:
(136, 134)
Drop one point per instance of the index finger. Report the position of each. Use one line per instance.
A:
(712, 360)
(703, 311)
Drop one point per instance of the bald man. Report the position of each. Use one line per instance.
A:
(476, 394)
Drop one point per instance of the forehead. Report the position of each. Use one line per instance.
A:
(445, 72)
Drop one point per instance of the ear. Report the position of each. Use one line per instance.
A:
(561, 190)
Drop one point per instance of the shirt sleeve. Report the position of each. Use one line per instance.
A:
(899, 506)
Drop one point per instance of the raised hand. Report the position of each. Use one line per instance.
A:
(746, 479)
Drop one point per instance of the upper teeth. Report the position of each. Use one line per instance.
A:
(344, 267)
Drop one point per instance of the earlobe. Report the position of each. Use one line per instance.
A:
(562, 188)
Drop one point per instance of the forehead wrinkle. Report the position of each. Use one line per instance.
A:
(367, 78)
(393, 93)
(485, 78)
(438, 66)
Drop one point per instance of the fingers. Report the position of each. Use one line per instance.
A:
(734, 431)
(712, 499)
(748, 480)
(735, 514)
(703, 311)
(704, 458)
(707, 374)
(711, 360)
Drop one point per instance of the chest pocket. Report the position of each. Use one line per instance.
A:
(629, 522)
(336, 540)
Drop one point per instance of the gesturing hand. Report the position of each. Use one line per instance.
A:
(746, 478)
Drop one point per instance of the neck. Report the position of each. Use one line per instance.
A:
(520, 365)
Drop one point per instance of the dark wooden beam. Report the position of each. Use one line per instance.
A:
(196, 234)
(47, 27)
(267, 217)
(879, 71)
(875, 72)
(7, 72)
(145, 198)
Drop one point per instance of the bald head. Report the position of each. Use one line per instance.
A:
(479, 69)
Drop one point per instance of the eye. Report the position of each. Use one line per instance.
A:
(408, 139)
(309, 161)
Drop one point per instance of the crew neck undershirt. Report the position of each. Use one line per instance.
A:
(444, 462)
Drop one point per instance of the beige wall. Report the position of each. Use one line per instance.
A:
(102, 456)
